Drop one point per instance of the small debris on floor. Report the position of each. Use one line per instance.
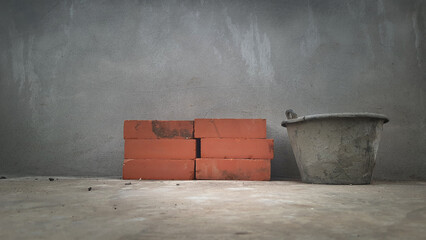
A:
(51, 179)
(177, 184)
(3, 177)
(89, 189)
(36, 179)
(128, 183)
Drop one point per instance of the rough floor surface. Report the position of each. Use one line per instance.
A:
(114, 209)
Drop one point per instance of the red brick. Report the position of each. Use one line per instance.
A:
(153, 169)
(237, 148)
(230, 128)
(160, 148)
(141, 129)
(233, 169)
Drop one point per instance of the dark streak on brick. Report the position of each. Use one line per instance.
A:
(271, 147)
(161, 130)
(232, 176)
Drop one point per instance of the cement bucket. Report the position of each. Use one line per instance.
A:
(337, 148)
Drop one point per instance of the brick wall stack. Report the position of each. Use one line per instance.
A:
(159, 150)
(233, 149)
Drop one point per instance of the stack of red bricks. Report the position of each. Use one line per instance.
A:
(228, 149)
(233, 149)
(159, 150)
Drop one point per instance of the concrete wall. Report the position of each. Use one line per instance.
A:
(72, 71)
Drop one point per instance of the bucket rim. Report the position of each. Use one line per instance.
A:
(334, 115)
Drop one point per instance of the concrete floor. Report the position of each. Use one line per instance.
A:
(65, 209)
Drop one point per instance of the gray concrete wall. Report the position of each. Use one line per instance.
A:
(72, 71)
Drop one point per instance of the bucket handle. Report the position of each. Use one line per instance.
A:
(290, 114)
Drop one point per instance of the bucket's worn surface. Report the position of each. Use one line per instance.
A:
(335, 148)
